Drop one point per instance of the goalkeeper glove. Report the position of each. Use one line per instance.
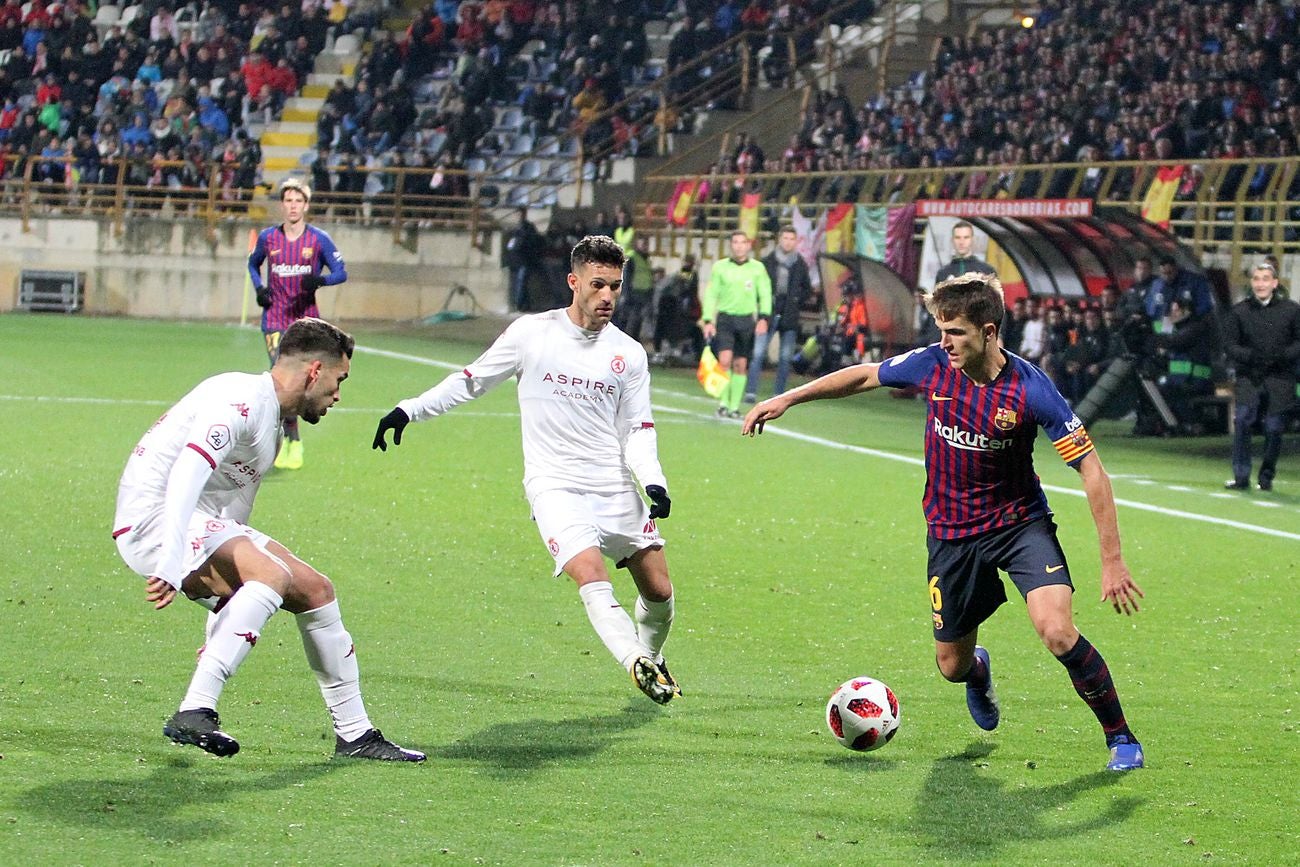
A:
(395, 421)
(263, 297)
(659, 497)
(310, 283)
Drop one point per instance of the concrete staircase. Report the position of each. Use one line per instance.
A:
(287, 144)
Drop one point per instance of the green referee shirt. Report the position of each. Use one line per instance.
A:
(738, 288)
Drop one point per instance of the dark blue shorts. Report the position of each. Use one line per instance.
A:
(965, 588)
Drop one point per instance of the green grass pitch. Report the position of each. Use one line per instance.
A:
(798, 564)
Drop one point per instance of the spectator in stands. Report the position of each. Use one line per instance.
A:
(1188, 350)
(624, 231)
(791, 289)
(521, 253)
(1033, 338)
(1176, 283)
(163, 26)
(737, 306)
(1263, 343)
(634, 309)
(1087, 357)
(322, 180)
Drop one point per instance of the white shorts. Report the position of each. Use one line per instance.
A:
(140, 544)
(570, 522)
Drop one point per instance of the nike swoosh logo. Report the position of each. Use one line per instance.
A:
(1051, 569)
(934, 395)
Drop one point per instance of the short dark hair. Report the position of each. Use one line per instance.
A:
(787, 228)
(312, 336)
(597, 250)
(976, 296)
(962, 224)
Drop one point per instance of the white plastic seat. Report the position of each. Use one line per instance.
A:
(348, 43)
(520, 145)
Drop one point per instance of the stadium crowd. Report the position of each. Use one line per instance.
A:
(164, 89)
(1092, 80)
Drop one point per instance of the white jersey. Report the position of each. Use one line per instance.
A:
(232, 421)
(584, 403)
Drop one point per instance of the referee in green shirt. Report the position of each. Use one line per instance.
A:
(737, 305)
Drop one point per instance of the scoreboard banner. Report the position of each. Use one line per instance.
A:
(1004, 207)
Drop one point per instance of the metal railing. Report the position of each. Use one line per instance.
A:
(38, 187)
(1239, 207)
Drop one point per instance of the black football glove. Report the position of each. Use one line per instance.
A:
(264, 297)
(396, 421)
(310, 283)
(659, 497)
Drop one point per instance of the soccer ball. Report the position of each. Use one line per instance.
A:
(862, 714)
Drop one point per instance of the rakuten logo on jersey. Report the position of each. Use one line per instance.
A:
(282, 270)
(591, 389)
(971, 442)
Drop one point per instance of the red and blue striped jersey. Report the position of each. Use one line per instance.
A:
(289, 262)
(979, 440)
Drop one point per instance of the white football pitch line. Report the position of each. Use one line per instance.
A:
(776, 431)
(1055, 489)
(113, 401)
(906, 459)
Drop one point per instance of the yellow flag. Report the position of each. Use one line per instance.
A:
(710, 373)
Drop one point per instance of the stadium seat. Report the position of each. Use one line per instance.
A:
(530, 170)
(476, 165)
(517, 197)
(562, 172)
(543, 70)
(435, 141)
(510, 119)
(348, 43)
(489, 195)
(547, 146)
(549, 198)
(520, 145)
(107, 16)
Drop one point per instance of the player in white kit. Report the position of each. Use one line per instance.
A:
(584, 403)
(181, 522)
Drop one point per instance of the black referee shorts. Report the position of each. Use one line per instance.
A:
(735, 333)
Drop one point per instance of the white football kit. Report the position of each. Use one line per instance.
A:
(584, 404)
(189, 483)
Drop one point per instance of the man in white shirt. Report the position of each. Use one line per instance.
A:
(584, 403)
(181, 522)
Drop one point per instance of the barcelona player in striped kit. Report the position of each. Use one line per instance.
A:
(297, 253)
(984, 506)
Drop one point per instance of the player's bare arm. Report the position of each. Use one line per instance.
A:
(1117, 585)
(842, 383)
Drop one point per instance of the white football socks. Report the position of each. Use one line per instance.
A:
(653, 621)
(611, 622)
(232, 635)
(332, 657)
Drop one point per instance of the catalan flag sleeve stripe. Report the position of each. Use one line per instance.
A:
(1073, 445)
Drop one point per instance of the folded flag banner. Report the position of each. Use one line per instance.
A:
(1160, 195)
(679, 206)
(710, 373)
